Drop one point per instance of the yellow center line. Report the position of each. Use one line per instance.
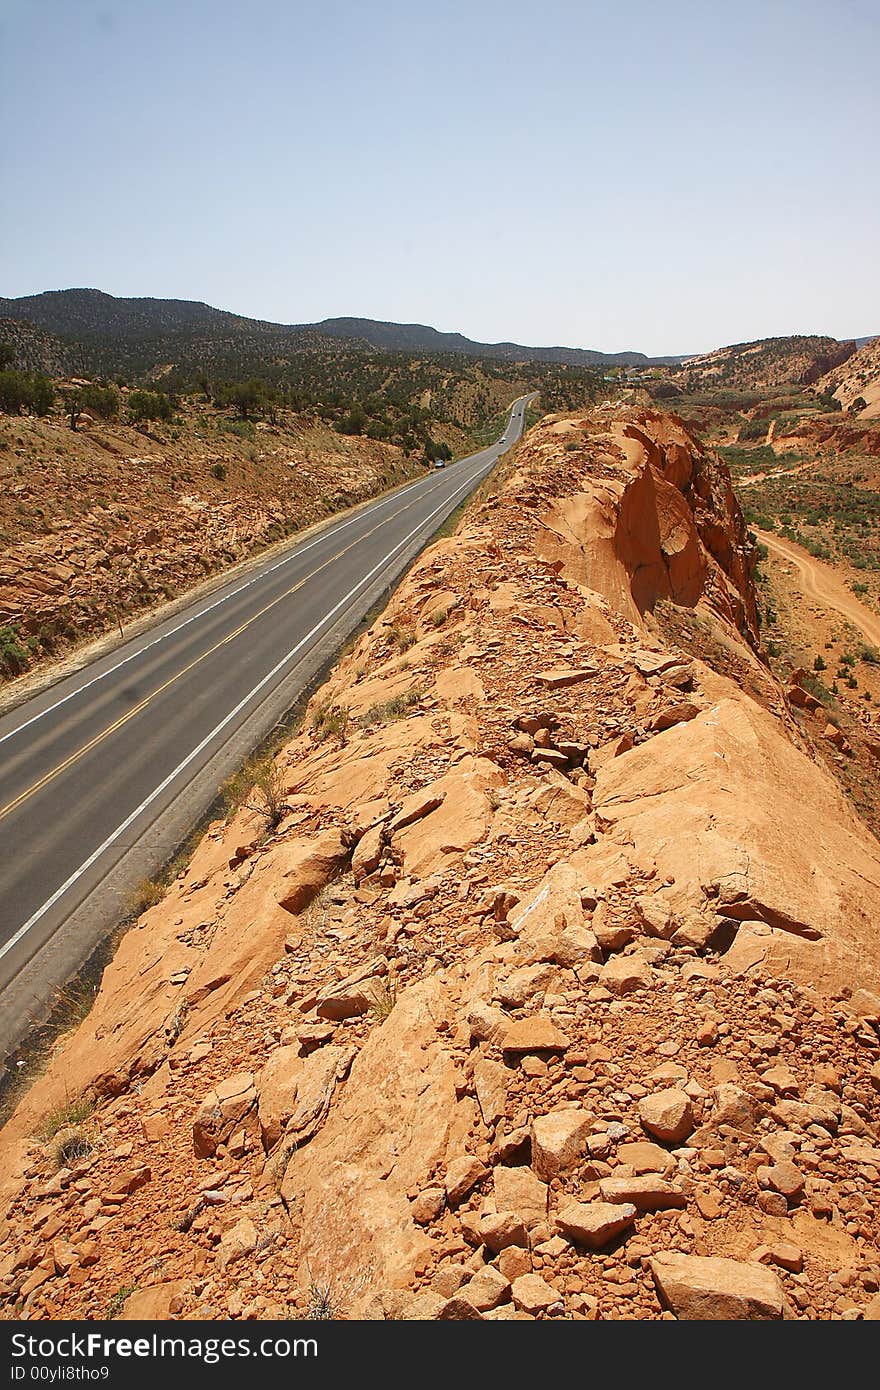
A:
(230, 637)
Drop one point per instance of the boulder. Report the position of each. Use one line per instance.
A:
(462, 1175)
(537, 1033)
(305, 866)
(519, 1190)
(647, 1193)
(277, 1092)
(667, 1115)
(626, 974)
(558, 1141)
(532, 1294)
(221, 1111)
(717, 1290)
(155, 1303)
(595, 1224)
(487, 1289)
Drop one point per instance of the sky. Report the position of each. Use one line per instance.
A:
(666, 177)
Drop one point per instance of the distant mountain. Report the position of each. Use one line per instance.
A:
(418, 337)
(139, 335)
(37, 351)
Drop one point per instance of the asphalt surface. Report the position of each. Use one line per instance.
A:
(103, 774)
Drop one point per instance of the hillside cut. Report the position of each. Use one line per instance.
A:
(552, 995)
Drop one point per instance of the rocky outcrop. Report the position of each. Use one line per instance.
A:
(552, 995)
(855, 380)
(665, 525)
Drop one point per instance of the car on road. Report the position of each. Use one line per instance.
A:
(439, 463)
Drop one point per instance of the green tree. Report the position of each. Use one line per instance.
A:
(149, 405)
(101, 400)
(21, 391)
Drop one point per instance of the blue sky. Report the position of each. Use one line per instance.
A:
(662, 176)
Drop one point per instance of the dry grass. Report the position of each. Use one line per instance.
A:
(330, 721)
(71, 1113)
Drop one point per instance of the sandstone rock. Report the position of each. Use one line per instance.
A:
(626, 974)
(388, 1130)
(277, 1092)
(786, 1178)
(734, 1106)
(487, 1023)
(574, 945)
(676, 714)
(513, 1261)
(355, 994)
(523, 984)
(155, 1303)
(490, 1084)
(428, 1205)
(238, 1241)
(462, 1175)
(457, 1309)
(656, 916)
(644, 1193)
(306, 866)
(533, 1294)
(782, 1079)
(780, 1252)
(595, 1224)
(717, 1289)
(416, 806)
(667, 1115)
(519, 1190)
(865, 1004)
(367, 854)
(644, 1157)
(534, 1034)
(562, 676)
(487, 1289)
(221, 1111)
(558, 1141)
(315, 1087)
(501, 1229)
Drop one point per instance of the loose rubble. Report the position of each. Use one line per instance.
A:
(476, 1033)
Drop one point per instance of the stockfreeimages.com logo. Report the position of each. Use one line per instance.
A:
(95, 1346)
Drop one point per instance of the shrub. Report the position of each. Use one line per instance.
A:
(21, 391)
(13, 657)
(330, 721)
(219, 472)
(267, 791)
(101, 400)
(149, 405)
(70, 1146)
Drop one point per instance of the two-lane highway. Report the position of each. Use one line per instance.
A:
(102, 775)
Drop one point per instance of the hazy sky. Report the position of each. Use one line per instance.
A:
(667, 175)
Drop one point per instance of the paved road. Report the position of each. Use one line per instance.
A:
(822, 583)
(102, 775)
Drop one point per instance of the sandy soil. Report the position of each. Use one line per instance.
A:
(819, 581)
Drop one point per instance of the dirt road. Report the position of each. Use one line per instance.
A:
(820, 582)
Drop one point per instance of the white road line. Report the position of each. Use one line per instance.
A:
(218, 728)
(294, 554)
(203, 612)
